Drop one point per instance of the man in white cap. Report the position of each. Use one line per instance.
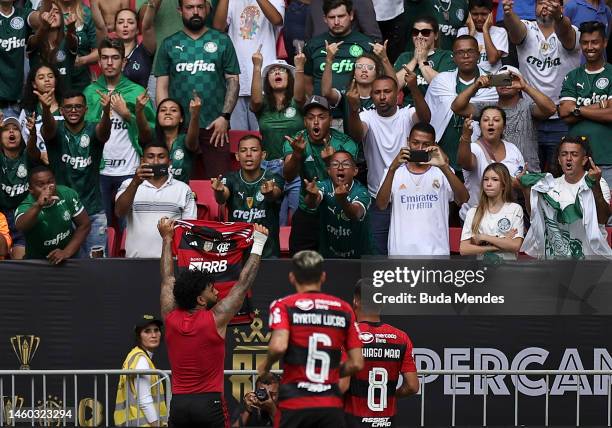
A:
(522, 112)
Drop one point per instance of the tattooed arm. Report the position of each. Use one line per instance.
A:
(225, 310)
(166, 266)
(220, 125)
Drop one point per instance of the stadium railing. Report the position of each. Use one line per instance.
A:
(164, 376)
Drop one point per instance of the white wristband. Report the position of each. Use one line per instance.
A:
(259, 240)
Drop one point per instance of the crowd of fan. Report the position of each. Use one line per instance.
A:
(389, 121)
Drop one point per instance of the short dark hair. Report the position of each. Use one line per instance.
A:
(111, 43)
(428, 20)
(37, 170)
(73, 93)
(488, 4)
(589, 27)
(493, 107)
(329, 5)
(307, 267)
(465, 37)
(251, 137)
(346, 153)
(425, 128)
(363, 287)
(123, 10)
(384, 77)
(155, 144)
(189, 285)
(581, 140)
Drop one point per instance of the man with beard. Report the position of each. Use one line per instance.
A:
(383, 132)
(75, 149)
(547, 50)
(568, 213)
(584, 97)
(196, 325)
(201, 59)
(307, 155)
(344, 204)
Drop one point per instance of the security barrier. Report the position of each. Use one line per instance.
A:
(46, 411)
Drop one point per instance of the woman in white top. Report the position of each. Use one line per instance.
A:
(489, 148)
(495, 226)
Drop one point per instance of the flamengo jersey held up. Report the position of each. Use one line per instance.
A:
(387, 352)
(218, 248)
(320, 326)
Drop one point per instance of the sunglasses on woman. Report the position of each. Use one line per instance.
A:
(425, 32)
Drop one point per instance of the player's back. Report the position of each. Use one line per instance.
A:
(320, 326)
(370, 400)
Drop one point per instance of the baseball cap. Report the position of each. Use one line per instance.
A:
(278, 63)
(505, 69)
(316, 101)
(144, 320)
(12, 120)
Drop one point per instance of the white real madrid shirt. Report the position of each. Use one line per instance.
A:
(419, 213)
(544, 62)
(174, 199)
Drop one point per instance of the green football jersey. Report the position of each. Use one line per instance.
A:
(313, 166)
(181, 160)
(54, 228)
(14, 30)
(450, 14)
(355, 44)
(64, 61)
(450, 139)
(86, 33)
(13, 179)
(274, 125)
(587, 89)
(199, 64)
(440, 60)
(341, 237)
(247, 204)
(75, 159)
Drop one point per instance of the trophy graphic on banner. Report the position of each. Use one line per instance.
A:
(25, 347)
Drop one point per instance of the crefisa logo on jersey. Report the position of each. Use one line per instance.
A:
(17, 23)
(366, 337)
(305, 304)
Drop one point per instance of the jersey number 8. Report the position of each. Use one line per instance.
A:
(315, 355)
(378, 378)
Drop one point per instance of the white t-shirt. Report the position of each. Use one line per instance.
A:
(383, 141)
(497, 224)
(119, 155)
(387, 9)
(545, 62)
(419, 213)
(565, 193)
(514, 162)
(500, 41)
(174, 199)
(249, 28)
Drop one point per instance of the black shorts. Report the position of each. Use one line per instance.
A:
(304, 232)
(207, 410)
(318, 417)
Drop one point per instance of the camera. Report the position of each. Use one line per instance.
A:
(262, 394)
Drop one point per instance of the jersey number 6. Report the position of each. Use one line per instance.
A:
(315, 355)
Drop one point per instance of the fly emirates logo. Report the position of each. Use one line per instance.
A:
(420, 201)
(194, 67)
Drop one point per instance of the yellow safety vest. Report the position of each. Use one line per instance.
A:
(127, 412)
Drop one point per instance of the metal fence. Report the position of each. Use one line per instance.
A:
(70, 380)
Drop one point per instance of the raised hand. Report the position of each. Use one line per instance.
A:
(298, 143)
(519, 82)
(353, 97)
(341, 192)
(30, 123)
(328, 150)
(195, 104)
(331, 49)
(420, 50)
(483, 81)
(508, 5)
(217, 184)
(141, 102)
(311, 187)
(488, 23)
(380, 50)
(257, 57)
(437, 157)
(410, 78)
(219, 136)
(165, 226)
(105, 99)
(469, 23)
(299, 59)
(143, 173)
(468, 124)
(267, 187)
(594, 171)
(47, 196)
(401, 158)
(70, 19)
(45, 98)
(120, 107)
